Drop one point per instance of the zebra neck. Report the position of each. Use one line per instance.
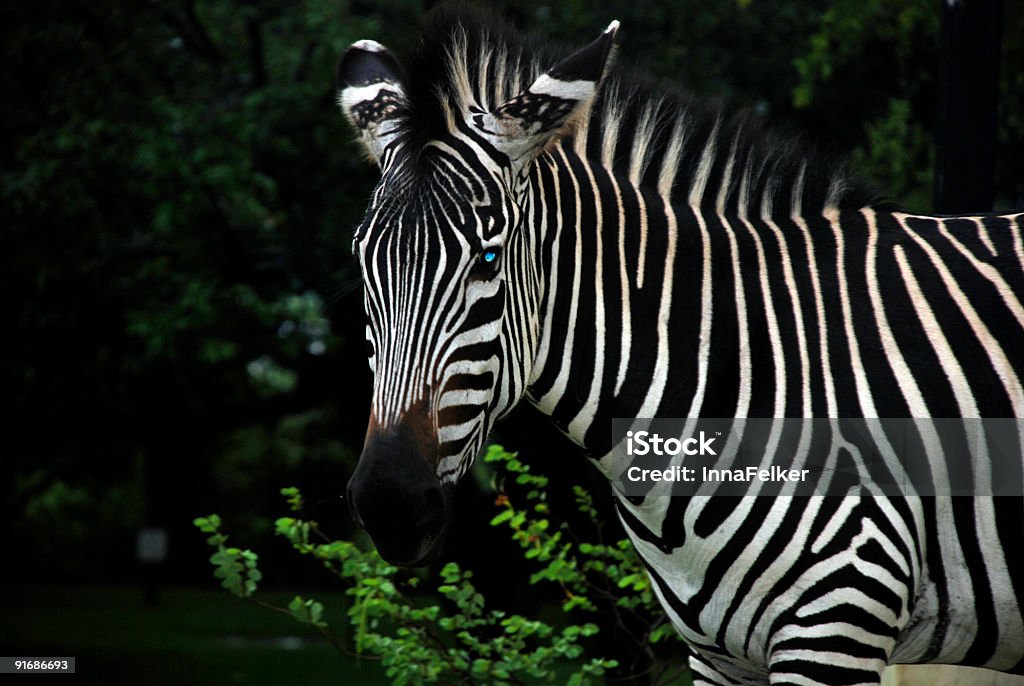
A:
(639, 291)
(622, 288)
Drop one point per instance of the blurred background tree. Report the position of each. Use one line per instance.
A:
(178, 197)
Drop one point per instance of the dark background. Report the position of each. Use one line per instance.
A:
(183, 332)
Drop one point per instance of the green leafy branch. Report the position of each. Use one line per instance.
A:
(416, 645)
(595, 576)
(451, 636)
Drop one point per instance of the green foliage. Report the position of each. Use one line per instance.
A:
(236, 568)
(883, 43)
(898, 155)
(589, 573)
(848, 27)
(177, 197)
(452, 636)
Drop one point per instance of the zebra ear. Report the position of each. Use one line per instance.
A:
(551, 106)
(370, 94)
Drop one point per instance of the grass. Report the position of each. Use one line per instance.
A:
(193, 636)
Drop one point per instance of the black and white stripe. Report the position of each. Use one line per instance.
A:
(660, 258)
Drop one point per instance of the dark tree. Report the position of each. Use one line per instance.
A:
(965, 132)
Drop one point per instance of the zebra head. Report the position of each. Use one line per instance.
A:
(450, 270)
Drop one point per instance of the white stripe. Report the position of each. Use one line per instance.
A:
(543, 220)
(585, 417)
(626, 325)
(797, 309)
(819, 311)
(909, 389)
(986, 270)
(673, 153)
(703, 173)
(768, 302)
(369, 46)
(979, 223)
(567, 90)
(740, 295)
(547, 403)
(706, 310)
(457, 397)
(353, 95)
(641, 264)
(864, 398)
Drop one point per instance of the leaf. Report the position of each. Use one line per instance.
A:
(502, 517)
(496, 453)
(307, 611)
(208, 525)
(294, 498)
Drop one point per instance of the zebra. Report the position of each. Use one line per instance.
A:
(555, 228)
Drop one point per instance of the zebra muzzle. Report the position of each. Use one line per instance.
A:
(396, 496)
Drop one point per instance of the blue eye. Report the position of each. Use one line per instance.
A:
(486, 266)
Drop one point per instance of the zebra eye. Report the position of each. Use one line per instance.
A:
(487, 262)
(369, 348)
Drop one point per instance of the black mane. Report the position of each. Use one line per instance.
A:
(459, 39)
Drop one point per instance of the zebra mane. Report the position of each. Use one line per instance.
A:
(660, 137)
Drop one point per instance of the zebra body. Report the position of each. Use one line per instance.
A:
(621, 254)
(807, 352)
